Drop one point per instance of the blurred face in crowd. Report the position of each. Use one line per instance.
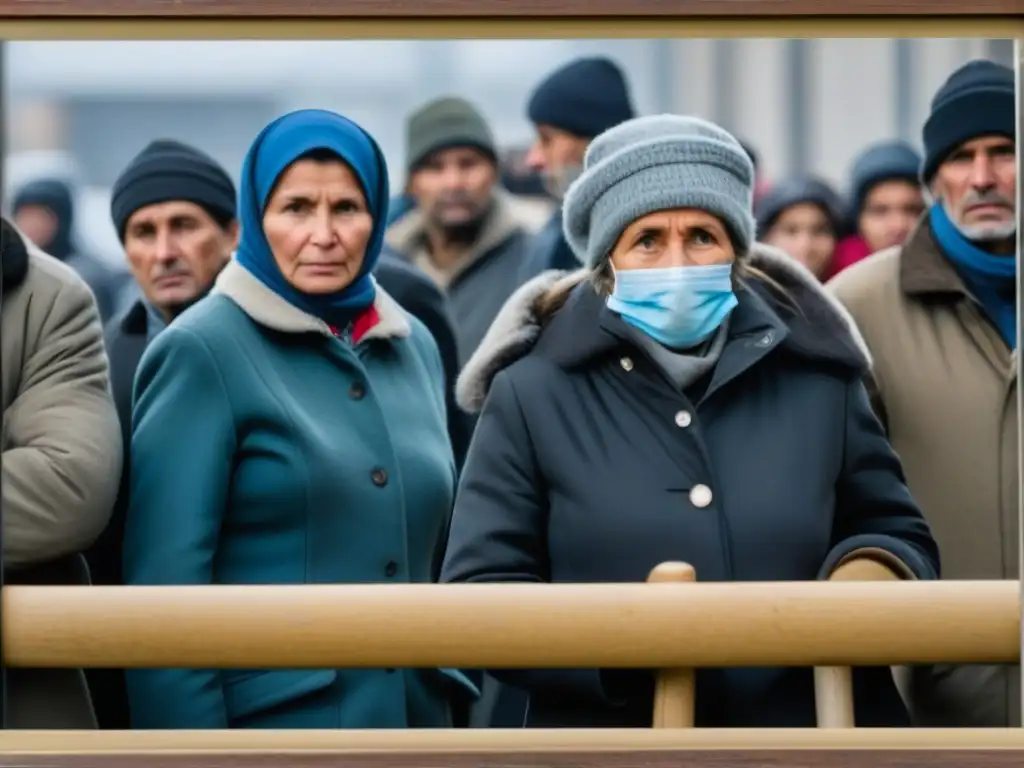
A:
(804, 232)
(558, 156)
(317, 223)
(682, 237)
(977, 185)
(453, 187)
(891, 209)
(39, 224)
(175, 251)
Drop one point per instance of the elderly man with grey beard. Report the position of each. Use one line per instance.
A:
(578, 101)
(939, 316)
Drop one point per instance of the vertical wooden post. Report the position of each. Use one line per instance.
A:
(674, 694)
(833, 697)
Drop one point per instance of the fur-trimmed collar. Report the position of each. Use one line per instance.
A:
(271, 311)
(13, 257)
(823, 328)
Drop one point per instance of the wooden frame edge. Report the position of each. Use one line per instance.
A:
(294, 28)
(520, 741)
(450, 9)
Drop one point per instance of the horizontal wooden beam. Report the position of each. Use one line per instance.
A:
(484, 748)
(192, 27)
(406, 9)
(667, 625)
(518, 740)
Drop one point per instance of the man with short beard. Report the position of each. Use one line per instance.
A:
(939, 316)
(568, 109)
(463, 231)
(173, 208)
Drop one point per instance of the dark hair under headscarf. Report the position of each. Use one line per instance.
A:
(281, 143)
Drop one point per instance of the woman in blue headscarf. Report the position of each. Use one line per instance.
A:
(290, 429)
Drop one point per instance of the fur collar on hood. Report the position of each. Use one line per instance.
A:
(822, 324)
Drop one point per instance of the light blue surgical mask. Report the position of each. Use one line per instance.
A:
(679, 307)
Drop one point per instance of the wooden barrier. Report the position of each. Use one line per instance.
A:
(675, 689)
(672, 623)
(497, 625)
(483, 748)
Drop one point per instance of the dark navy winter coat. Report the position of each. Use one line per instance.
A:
(588, 465)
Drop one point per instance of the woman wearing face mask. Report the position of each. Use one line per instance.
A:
(802, 217)
(689, 395)
(290, 429)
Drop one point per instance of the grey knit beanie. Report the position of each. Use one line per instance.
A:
(656, 163)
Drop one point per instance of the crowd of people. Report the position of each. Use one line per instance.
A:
(315, 379)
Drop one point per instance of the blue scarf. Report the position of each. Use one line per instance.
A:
(992, 279)
(279, 145)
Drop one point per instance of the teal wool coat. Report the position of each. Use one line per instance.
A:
(265, 450)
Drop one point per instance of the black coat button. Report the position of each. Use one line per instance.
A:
(379, 477)
(357, 391)
(391, 569)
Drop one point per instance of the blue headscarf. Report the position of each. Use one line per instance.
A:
(279, 145)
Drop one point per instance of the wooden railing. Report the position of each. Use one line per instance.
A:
(671, 624)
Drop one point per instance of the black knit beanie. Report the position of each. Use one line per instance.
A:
(976, 100)
(169, 170)
(585, 97)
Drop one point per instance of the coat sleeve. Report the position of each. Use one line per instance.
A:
(433, 310)
(183, 444)
(876, 399)
(499, 531)
(435, 369)
(875, 516)
(62, 448)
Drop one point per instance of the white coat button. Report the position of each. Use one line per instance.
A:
(700, 496)
(683, 419)
(626, 363)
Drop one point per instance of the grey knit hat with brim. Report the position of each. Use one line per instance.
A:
(657, 163)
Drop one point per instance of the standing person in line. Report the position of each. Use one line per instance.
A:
(463, 233)
(885, 200)
(939, 315)
(44, 211)
(616, 426)
(173, 208)
(323, 455)
(568, 109)
(61, 453)
(802, 217)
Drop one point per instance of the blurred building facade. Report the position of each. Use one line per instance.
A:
(806, 105)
